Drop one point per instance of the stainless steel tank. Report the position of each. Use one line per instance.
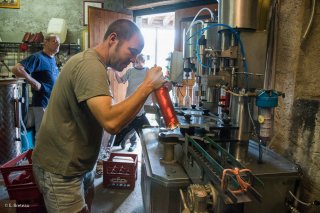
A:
(212, 99)
(190, 40)
(212, 36)
(11, 94)
(239, 14)
(239, 112)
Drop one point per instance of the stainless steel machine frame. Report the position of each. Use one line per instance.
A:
(160, 183)
(226, 58)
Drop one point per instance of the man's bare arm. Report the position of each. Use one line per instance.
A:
(20, 71)
(113, 117)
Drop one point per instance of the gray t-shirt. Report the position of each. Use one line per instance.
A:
(135, 77)
(69, 138)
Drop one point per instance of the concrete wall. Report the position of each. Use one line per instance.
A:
(297, 124)
(33, 16)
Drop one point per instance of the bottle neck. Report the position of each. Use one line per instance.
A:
(187, 90)
(174, 91)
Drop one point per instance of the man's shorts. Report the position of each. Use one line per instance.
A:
(61, 193)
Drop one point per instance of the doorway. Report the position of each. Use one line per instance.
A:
(158, 31)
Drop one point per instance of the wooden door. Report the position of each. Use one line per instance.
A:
(98, 22)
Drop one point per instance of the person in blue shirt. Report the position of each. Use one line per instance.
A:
(41, 72)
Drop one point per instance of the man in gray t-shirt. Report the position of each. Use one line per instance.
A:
(80, 107)
(134, 76)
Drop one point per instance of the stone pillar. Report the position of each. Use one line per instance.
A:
(297, 125)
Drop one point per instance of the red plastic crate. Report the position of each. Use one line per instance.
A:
(18, 178)
(120, 171)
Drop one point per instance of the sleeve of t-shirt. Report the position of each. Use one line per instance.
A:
(30, 63)
(90, 80)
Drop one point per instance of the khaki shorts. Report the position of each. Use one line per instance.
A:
(38, 113)
(61, 193)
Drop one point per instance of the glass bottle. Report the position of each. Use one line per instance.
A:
(175, 99)
(187, 98)
(195, 94)
(166, 107)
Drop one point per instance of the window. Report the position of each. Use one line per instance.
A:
(158, 32)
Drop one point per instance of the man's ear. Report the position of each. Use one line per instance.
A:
(113, 37)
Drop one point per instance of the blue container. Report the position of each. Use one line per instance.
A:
(27, 141)
(267, 99)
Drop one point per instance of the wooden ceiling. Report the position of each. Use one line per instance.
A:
(164, 20)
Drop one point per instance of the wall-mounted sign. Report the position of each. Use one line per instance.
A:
(14, 4)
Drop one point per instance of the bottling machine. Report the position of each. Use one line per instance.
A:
(218, 159)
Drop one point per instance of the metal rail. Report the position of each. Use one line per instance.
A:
(214, 171)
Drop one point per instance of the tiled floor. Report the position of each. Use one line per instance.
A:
(110, 200)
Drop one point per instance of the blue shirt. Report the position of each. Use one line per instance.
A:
(44, 69)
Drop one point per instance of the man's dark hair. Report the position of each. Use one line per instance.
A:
(124, 29)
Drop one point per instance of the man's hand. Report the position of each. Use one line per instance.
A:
(20, 71)
(154, 78)
(35, 85)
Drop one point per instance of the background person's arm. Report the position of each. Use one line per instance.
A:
(116, 74)
(20, 71)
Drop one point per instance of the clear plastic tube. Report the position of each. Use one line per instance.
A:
(194, 22)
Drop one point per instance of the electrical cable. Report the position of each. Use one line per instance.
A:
(301, 202)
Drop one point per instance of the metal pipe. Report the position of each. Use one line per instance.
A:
(271, 50)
